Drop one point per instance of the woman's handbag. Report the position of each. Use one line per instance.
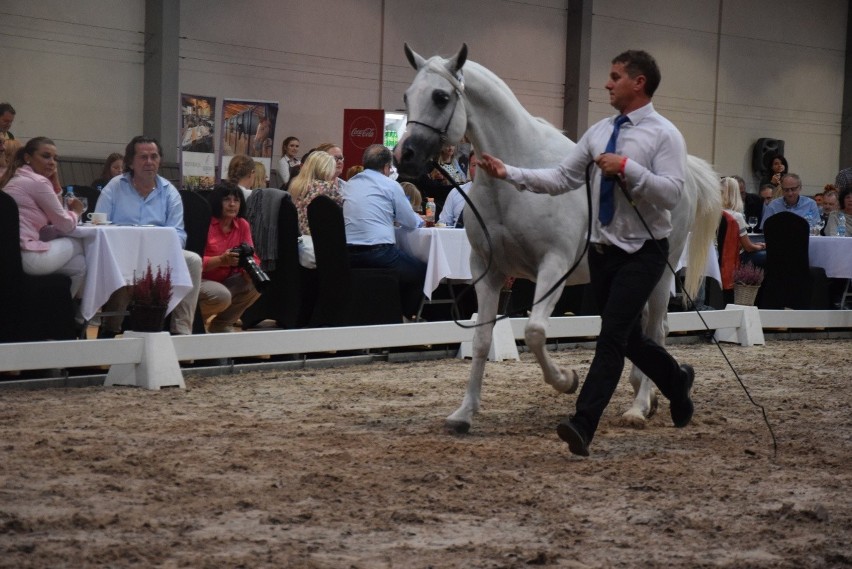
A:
(306, 252)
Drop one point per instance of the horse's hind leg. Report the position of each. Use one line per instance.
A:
(487, 294)
(535, 334)
(656, 326)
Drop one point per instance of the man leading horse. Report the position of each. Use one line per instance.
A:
(644, 153)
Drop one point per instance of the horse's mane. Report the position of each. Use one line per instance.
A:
(488, 90)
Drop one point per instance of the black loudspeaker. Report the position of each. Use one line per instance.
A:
(763, 148)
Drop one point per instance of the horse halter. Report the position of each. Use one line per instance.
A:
(457, 81)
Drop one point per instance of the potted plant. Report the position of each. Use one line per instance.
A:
(747, 281)
(149, 300)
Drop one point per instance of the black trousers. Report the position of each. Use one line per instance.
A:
(622, 283)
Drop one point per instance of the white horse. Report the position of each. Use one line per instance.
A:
(534, 236)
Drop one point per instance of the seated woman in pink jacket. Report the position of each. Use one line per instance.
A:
(31, 179)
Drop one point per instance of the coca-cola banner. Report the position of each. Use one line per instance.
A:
(361, 128)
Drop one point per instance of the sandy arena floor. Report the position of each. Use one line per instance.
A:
(351, 468)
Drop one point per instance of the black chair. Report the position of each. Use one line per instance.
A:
(347, 296)
(196, 223)
(35, 307)
(196, 220)
(289, 298)
(789, 281)
(728, 249)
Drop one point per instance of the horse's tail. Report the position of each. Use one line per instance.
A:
(708, 213)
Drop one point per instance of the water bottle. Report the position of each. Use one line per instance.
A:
(841, 224)
(69, 195)
(430, 209)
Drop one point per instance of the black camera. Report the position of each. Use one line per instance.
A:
(258, 275)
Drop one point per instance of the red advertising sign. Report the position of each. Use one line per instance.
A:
(361, 128)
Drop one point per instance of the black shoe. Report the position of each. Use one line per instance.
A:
(571, 434)
(682, 411)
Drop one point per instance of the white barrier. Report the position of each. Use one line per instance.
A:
(743, 325)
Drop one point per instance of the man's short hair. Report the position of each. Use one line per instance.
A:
(638, 62)
(376, 157)
(130, 151)
(794, 176)
(6, 108)
(766, 186)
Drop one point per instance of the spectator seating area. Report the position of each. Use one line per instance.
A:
(81, 172)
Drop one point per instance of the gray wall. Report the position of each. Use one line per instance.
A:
(733, 71)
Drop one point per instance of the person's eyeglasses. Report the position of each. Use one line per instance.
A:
(793, 189)
(339, 158)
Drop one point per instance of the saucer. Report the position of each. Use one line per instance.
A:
(96, 224)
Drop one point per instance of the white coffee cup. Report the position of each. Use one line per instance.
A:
(97, 218)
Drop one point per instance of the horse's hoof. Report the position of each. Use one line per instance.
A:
(575, 383)
(457, 427)
(633, 420)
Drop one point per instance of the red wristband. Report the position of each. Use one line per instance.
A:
(623, 162)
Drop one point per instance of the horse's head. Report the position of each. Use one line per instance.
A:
(435, 107)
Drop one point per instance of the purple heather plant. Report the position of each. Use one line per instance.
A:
(748, 274)
(153, 290)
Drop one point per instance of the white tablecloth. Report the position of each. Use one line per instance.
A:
(113, 253)
(834, 254)
(711, 269)
(446, 253)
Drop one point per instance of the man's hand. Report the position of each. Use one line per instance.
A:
(609, 163)
(494, 167)
(76, 206)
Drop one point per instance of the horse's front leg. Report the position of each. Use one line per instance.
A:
(656, 326)
(487, 294)
(535, 334)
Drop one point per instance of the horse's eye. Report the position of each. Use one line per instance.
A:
(440, 98)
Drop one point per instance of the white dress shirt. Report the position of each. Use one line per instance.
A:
(655, 174)
(454, 205)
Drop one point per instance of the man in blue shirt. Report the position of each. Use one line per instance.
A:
(142, 197)
(792, 201)
(372, 203)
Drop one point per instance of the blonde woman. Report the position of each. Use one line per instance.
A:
(316, 177)
(413, 195)
(732, 203)
(260, 180)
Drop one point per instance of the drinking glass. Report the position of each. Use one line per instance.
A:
(751, 222)
(85, 202)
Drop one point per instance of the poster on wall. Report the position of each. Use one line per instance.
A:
(197, 131)
(248, 127)
(361, 128)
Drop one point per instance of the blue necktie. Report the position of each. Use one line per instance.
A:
(607, 198)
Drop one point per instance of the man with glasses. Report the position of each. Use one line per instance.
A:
(792, 201)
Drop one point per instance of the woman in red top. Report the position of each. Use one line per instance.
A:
(226, 289)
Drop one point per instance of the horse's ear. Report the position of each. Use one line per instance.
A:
(415, 60)
(457, 62)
